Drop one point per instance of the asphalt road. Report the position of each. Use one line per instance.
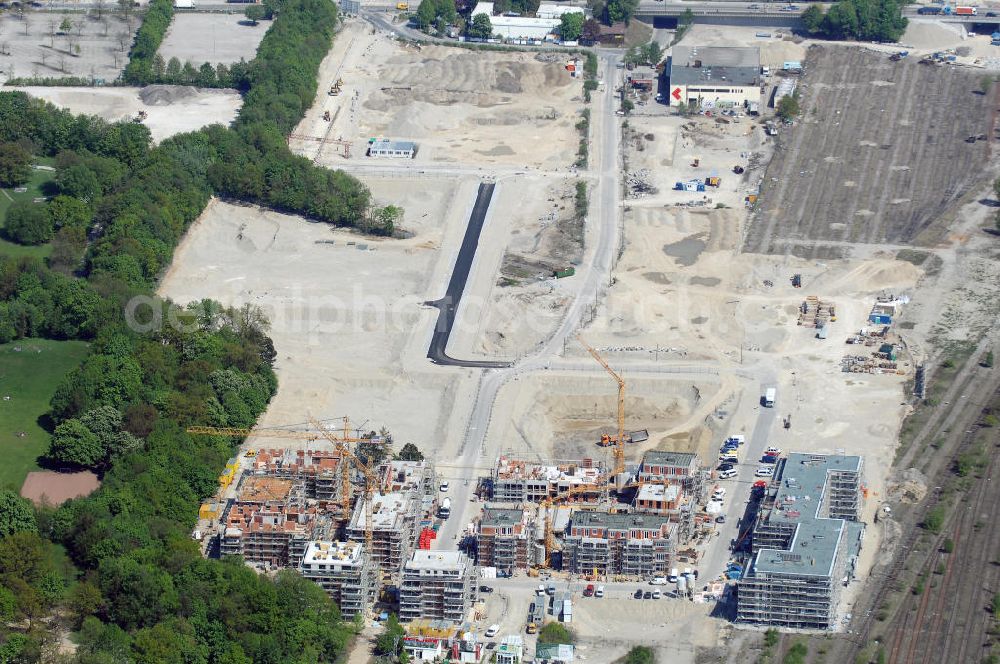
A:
(594, 272)
(448, 305)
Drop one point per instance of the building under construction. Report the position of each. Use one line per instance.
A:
(271, 522)
(610, 544)
(504, 538)
(395, 520)
(437, 585)
(519, 481)
(345, 572)
(319, 471)
(806, 542)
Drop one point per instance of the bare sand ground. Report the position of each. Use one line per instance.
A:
(45, 487)
(459, 106)
(346, 311)
(512, 300)
(562, 414)
(170, 109)
(214, 38)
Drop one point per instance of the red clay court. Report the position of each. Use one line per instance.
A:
(44, 486)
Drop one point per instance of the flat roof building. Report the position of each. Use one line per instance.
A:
(503, 539)
(612, 544)
(714, 76)
(385, 147)
(662, 499)
(437, 585)
(666, 466)
(539, 27)
(344, 571)
(395, 518)
(805, 543)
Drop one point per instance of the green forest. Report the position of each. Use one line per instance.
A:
(863, 20)
(121, 563)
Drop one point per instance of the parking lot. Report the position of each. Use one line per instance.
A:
(879, 153)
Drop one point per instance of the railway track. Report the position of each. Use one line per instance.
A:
(950, 621)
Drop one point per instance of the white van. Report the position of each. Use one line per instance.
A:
(443, 487)
(492, 631)
(673, 576)
(726, 474)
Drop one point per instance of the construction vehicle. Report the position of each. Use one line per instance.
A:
(619, 440)
(326, 115)
(335, 88)
(713, 181)
(403, 6)
(140, 117)
(796, 281)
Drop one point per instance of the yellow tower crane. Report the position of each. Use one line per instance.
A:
(339, 441)
(371, 479)
(619, 441)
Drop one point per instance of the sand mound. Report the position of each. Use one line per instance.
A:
(911, 487)
(165, 95)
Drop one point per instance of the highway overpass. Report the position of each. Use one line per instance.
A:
(767, 14)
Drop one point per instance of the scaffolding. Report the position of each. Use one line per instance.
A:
(437, 585)
(344, 571)
(805, 541)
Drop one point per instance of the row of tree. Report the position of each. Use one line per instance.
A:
(863, 20)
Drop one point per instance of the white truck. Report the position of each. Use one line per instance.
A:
(769, 396)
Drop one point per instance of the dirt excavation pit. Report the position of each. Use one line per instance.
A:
(458, 105)
(562, 415)
(346, 310)
(170, 109)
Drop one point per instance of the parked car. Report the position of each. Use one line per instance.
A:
(638, 594)
(730, 459)
(773, 451)
(647, 595)
(492, 631)
(659, 581)
(551, 589)
(719, 493)
(540, 590)
(769, 459)
(589, 590)
(726, 474)
(599, 592)
(724, 466)
(657, 594)
(485, 589)
(765, 471)
(443, 487)
(721, 518)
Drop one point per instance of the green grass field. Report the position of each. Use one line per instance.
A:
(36, 186)
(29, 377)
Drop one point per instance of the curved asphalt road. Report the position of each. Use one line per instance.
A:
(448, 305)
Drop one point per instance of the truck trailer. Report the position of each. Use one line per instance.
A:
(769, 396)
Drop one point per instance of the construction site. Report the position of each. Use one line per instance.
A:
(569, 463)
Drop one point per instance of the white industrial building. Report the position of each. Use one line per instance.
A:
(385, 147)
(541, 27)
(715, 76)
